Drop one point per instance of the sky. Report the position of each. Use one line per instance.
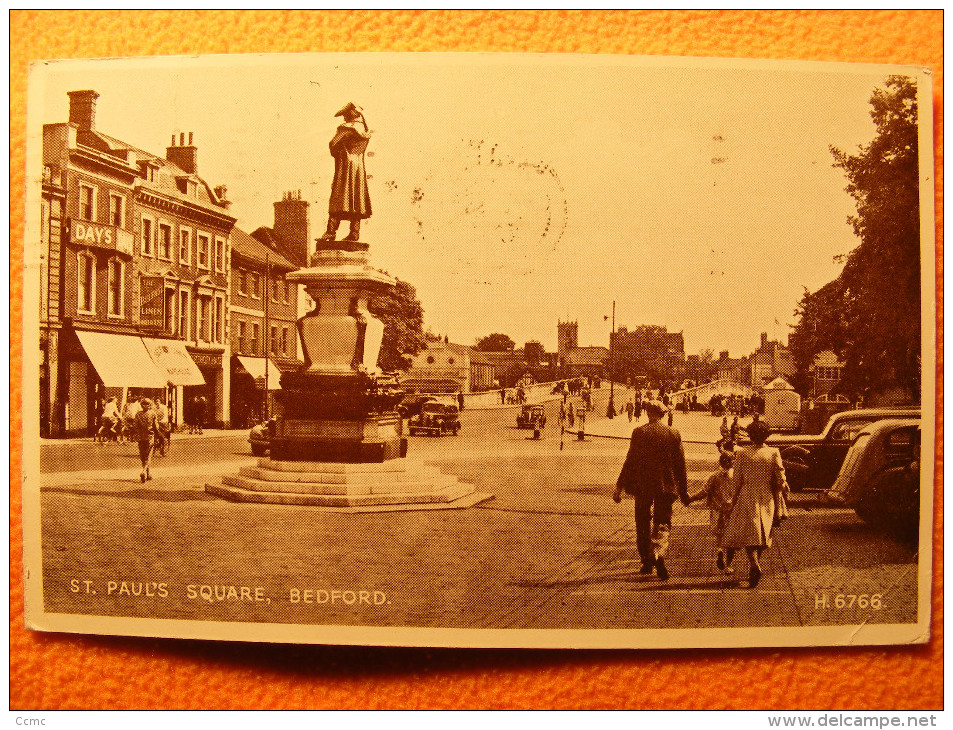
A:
(515, 191)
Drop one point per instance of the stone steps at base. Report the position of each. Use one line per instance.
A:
(334, 467)
(453, 497)
(383, 486)
(420, 474)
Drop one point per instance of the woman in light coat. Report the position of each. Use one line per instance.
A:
(759, 487)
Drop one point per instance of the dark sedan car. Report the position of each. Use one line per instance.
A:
(813, 461)
(435, 419)
(880, 477)
(531, 416)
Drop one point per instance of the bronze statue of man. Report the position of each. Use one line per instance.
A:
(350, 200)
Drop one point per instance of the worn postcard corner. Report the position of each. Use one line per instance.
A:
(480, 350)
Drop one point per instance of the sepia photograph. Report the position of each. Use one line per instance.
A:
(479, 350)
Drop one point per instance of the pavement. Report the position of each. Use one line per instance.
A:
(550, 551)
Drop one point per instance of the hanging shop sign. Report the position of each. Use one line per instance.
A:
(152, 290)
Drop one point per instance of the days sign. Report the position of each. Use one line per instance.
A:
(100, 236)
(151, 299)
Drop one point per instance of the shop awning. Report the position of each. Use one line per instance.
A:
(171, 357)
(255, 366)
(121, 361)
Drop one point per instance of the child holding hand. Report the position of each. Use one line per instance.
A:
(718, 495)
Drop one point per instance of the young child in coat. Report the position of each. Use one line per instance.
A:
(717, 493)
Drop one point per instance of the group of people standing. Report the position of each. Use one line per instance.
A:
(746, 497)
(148, 423)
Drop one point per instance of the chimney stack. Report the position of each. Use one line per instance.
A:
(82, 109)
(184, 155)
(292, 226)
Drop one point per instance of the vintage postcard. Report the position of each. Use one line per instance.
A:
(474, 350)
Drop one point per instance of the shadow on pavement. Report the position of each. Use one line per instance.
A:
(151, 495)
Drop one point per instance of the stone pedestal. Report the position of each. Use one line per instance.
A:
(339, 443)
(396, 485)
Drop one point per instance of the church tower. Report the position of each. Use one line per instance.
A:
(567, 334)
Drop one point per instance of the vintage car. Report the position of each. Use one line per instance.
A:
(435, 419)
(260, 437)
(880, 477)
(812, 461)
(530, 415)
(411, 404)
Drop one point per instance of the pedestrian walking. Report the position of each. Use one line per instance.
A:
(629, 409)
(717, 493)
(129, 413)
(733, 431)
(201, 406)
(759, 489)
(145, 430)
(460, 400)
(164, 435)
(654, 473)
(109, 422)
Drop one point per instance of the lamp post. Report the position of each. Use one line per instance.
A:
(610, 409)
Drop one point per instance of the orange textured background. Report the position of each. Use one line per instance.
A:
(58, 671)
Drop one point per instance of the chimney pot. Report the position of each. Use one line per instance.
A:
(190, 139)
(82, 109)
(182, 139)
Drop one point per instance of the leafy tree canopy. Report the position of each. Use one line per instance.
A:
(870, 315)
(403, 317)
(497, 342)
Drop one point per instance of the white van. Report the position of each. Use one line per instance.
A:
(782, 409)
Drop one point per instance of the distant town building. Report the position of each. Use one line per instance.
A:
(592, 361)
(825, 373)
(734, 369)
(649, 350)
(567, 334)
(771, 360)
(445, 367)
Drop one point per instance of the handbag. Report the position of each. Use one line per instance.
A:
(780, 509)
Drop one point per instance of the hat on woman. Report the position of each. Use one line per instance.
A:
(758, 431)
(145, 403)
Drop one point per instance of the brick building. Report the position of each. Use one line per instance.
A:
(134, 294)
(264, 339)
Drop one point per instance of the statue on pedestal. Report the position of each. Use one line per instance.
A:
(350, 199)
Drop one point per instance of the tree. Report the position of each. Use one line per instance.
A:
(870, 315)
(822, 325)
(496, 342)
(403, 317)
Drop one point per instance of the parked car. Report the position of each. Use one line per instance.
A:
(260, 437)
(436, 419)
(411, 404)
(813, 461)
(880, 477)
(530, 414)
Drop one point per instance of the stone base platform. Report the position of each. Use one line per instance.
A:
(395, 485)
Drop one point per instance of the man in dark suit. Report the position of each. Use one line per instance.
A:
(654, 473)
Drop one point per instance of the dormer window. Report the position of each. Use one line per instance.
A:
(192, 188)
